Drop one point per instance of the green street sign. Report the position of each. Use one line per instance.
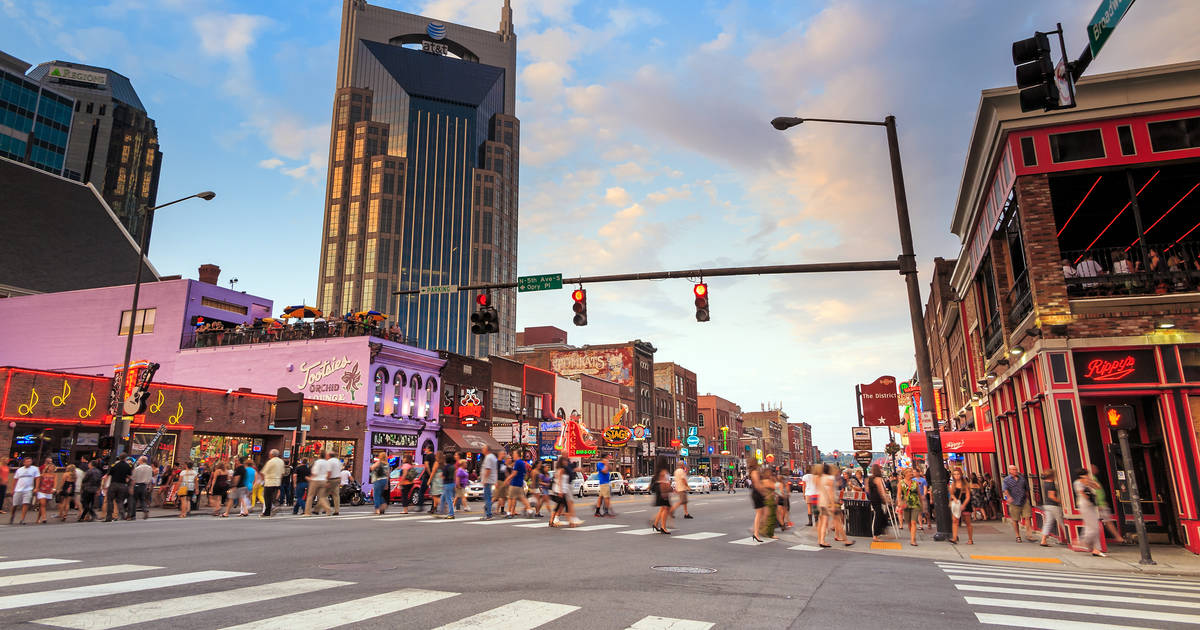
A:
(545, 282)
(1104, 22)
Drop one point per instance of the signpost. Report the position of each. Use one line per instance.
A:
(1104, 22)
(863, 458)
(861, 436)
(439, 289)
(544, 282)
(879, 408)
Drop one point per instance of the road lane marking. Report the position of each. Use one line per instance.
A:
(153, 610)
(592, 528)
(804, 548)
(983, 569)
(1029, 592)
(894, 546)
(699, 536)
(640, 532)
(36, 562)
(460, 519)
(346, 613)
(1018, 559)
(497, 520)
(531, 525)
(522, 614)
(1090, 609)
(667, 623)
(633, 511)
(751, 541)
(1047, 624)
(1083, 585)
(113, 588)
(71, 574)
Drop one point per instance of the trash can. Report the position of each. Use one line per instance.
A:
(858, 517)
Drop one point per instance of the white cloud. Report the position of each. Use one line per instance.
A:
(228, 35)
(271, 163)
(722, 42)
(669, 194)
(616, 196)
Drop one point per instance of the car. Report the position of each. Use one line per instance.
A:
(394, 481)
(797, 485)
(718, 484)
(699, 485)
(639, 485)
(474, 491)
(592, 484)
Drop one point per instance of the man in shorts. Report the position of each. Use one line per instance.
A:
(1016, 496)
(811, 493)
(24, 479)
(681, 490)
(516, 487)
(604, 489)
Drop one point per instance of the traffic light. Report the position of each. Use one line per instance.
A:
(701, 291)
(1120, 417)
(485, 320)
(580, 306)
(1035, 73)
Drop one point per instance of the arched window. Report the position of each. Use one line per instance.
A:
(381, 377)
(414, 390)
(430, 396)
(399, 382)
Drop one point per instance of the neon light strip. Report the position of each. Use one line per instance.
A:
(1184, 235)
(1114, 220)
(1081, 202)
(58, 374)
(1164, 215)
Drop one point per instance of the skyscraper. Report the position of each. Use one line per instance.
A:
(113, 141)
(35, 121)
(422, 183)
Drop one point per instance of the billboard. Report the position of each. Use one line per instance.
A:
(614, 365)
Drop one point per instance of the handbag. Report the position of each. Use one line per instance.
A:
(956, 508)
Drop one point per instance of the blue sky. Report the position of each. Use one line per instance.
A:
(645, 145)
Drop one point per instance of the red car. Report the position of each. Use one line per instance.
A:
(394, 481)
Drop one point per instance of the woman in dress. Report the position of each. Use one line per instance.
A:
(908, 504)
(218, 489)
(560, 488)
(1085, 499)
(45, 488)
(782, 502)
(756, 498)
(407, 482)
(66, 492)
(960, 491)
(187, 489)
(661, 489)
(878, 495)
(541, 487)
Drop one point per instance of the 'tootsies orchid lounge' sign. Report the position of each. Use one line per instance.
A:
(334, 379)
(1116, 366)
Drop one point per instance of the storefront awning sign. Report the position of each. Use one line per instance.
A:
(472, 440)
(617, 435)
(955, 442)
(393, 440)
(879, 406)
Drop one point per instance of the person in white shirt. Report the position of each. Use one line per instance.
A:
(345, 476)
(681, 490)
(317, 491)
(811, 493)
(1088, 268)
(23, 482)
(336, 481)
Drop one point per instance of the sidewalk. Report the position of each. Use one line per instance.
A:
(995, 544)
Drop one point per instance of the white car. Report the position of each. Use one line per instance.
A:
(699, 485)
(640, 485)
(474, 491)
(592, 485)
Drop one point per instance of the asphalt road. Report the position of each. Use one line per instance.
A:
(364, 571)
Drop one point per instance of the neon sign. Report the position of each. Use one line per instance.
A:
(470, 407)
(1101, 370)
(639, 432)
(27, 409)
(617, 435)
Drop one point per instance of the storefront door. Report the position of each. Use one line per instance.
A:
(1151, 475)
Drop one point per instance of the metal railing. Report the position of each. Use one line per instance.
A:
(1019, 300)
(244, 335)
(1116, 271)
(993, 335)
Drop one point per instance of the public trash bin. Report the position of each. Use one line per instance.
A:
(858, 517)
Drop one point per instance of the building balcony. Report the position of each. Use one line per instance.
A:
(244, 335)
(1118, 271)
(1019, 301)
(993, 335)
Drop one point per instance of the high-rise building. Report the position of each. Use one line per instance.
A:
(422, 182)
(35, 121)
(113, 143)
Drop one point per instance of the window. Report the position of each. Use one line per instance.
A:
(414, 390)
(381, 377)
(1172, 135)
(89, 108)
(369, 257)
(1076, 145)
(1125, 135)
(351, 257)
(143, 324)
(398, 385)
(352, 219)
(223, 305)
(331, 259)
(430, 395)
(335, 218)
(1028, 152)
(373, 216)
(102, 108)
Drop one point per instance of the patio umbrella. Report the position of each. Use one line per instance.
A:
(301, 312)
(372, 315)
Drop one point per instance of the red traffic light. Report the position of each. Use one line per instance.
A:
(700, 289)
(579, 295)
(481, 299)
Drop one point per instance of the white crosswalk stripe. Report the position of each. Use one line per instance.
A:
(70, 574)
(667, 623)
(519, 615)
(112, 588)
(751, 541)
(640, 532)
(456, 519)
(593, 528)
(36, 562)
(349, 612)
(699, 536)
(1057, 599)
(804, 548)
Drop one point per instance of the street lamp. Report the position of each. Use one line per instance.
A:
(143, 241)
(938, 477)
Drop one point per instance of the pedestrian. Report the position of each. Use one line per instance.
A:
(24, 485)
(462, 479)
(757, 499)
(143, 477)
(379, 483)
(1052, 516)
(253, 492)
(680, 498)
(516, 488)
(604, 489)
(770, 502)
(118, 488)
(66, 493)
(783, 502)
(961, 506)
(4, 475)
(541, 494)
(318, 482)
(487, 478)
(924, 490)
(436, 485)
(90, 489)
(560, 489)
(1016, 497)
(504, 467)
(810, 492)
(661, 488)
(729, 488)
(187, 489)
(908, 504)
(300, 476)
(1085, 500)
(45, 488)
(1106, 514)
(80, 471)
(218, 487)
(408, 482)
(272, 479)
(830, 507)
(449, 482)
(336, 480)
(429, 465)
(239, 490)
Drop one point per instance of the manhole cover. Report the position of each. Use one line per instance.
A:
(355, 566)
(674, 569)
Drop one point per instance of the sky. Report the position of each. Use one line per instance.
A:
(645, 146)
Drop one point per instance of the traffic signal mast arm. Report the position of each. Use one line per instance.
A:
(868, 265)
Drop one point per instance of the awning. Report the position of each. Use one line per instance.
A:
(473, 440)
(955, 442)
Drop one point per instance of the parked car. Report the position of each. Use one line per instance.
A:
(592, 485)
(577, 485)
(474, 491)
(640, 485)
(394, 481)
(718, 484)
(699, 485)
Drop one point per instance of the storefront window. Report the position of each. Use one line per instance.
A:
(208, 449)
(381, 376)
(399, 382)
(343, 449)
(164, 454)
(414, 391)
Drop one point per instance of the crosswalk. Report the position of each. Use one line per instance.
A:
(1040, 598)
(278, 604)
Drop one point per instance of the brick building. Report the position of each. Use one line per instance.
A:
(1075, 289)
(721, 426)
(800, 439)
(771, 423)
(680, 383)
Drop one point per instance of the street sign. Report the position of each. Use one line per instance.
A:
(926, 420)
(1104, 22)
(879, 404)
(863, 458)
(861, 436)
(439, 289)
(544, 282)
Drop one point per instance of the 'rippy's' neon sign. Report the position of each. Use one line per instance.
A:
(1101, 370)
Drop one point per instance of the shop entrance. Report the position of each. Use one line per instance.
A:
(63, 444)
(1148, 449)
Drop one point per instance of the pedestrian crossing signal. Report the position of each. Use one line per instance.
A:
(1120, 417)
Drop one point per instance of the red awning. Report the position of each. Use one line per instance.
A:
(955, 442)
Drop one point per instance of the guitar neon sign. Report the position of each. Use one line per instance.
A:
(1101, 370)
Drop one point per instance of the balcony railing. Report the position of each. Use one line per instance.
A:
(1120, 271)
(242, 335)
(993, 335)
(1019, 300)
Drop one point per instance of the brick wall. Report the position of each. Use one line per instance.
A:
(1042, 255)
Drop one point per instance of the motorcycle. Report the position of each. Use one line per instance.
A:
(352, 493)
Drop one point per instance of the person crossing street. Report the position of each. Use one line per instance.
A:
(272, 474)
(143, 480)
(681, 490)
(604, 490)
(516, 487)
(487, 478)
(318, 480)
